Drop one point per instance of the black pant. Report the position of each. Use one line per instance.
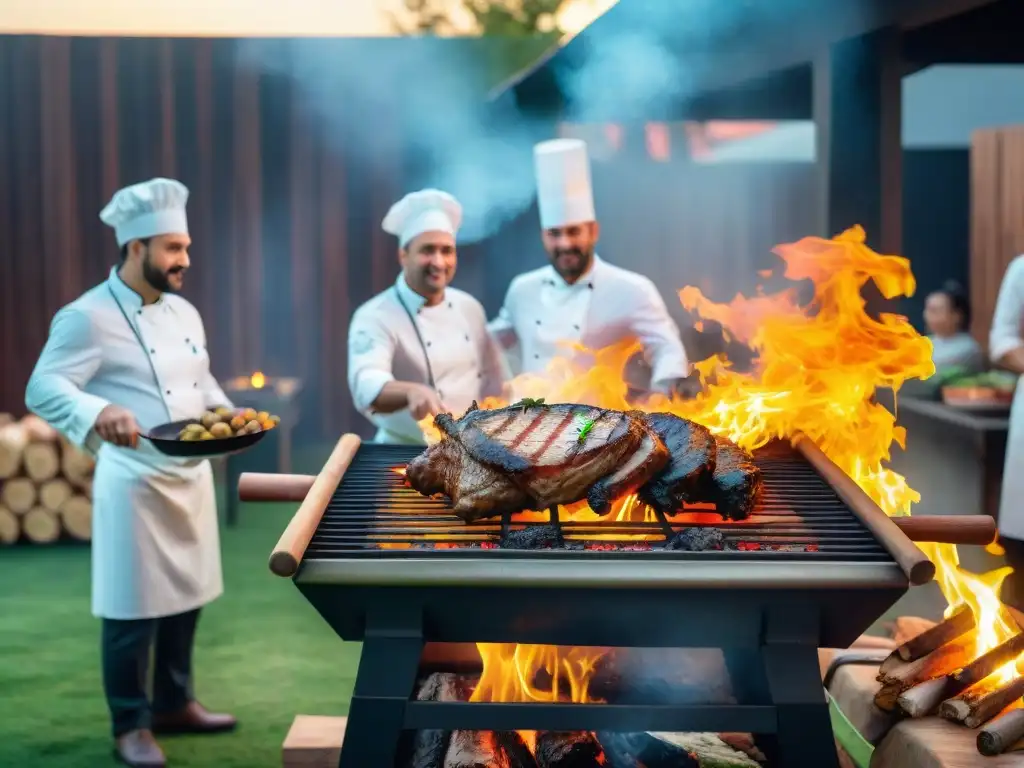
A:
(126, 648)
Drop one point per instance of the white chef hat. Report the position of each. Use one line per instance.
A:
(150, 208)
(428, 210)
(564, 194)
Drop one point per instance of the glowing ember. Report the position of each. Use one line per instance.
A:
(816, 372)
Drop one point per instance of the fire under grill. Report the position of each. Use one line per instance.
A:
(814, 566)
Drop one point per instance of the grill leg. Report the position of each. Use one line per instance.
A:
(388, 665)
(804, 738)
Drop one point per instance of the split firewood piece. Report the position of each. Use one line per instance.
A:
(979, 704)
(53, 493)
(431, 746)
(1002, 734)
(474, 749)
(13, 439)
(925, 698)
(42, 461)
(40, 526)
(76, 464)
(960, 623)
(897, 676)
(18, 494)
(38, 430)
(10, 526)
(76, 517)
(556, 749)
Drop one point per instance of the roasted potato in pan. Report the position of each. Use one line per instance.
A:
(224, 422)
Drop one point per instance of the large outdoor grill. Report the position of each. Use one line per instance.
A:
(814, 566)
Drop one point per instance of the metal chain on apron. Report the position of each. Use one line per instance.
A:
(419, 338)
(145, 351)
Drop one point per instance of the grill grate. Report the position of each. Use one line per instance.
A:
(373, 514)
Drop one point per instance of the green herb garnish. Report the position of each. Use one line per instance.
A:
(529, 402)
(585, 430)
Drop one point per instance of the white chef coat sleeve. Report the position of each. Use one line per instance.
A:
(371, 353)
(70, 358)
(213, 395)
(654, 327)
(1005, 334)
(502, 327)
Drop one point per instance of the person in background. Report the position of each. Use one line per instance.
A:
(127, 356)
(1006, 350)
(421, 347)
(579, 297)
(947, 315)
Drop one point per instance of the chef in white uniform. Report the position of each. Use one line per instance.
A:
(122, 358)
(421, 347)
(579, 297)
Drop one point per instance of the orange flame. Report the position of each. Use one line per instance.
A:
(816, 373)
(258, 380)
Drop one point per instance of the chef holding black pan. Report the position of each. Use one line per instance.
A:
(127, 356)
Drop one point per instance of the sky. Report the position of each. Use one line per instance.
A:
(225, 17)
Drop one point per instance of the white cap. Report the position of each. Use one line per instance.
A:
(564, 194)
(151, 208)
(429, 210)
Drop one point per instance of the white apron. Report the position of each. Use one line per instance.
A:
(155, 538)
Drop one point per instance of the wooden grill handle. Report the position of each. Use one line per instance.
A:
(949, 529)
(267, 486)
(915, 563)
(285, 559)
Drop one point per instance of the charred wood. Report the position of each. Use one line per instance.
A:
(431, 746)
(960, 623)
(925, 698)
(697, 539)
(534, 537)
(1003, 734)
(574, 749)
(988, 663)
(475, 749)
(676, 750)
(975, 707)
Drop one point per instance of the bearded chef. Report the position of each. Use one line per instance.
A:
(579, 297)
(1006, 350)
(421, 347)
(124, 357)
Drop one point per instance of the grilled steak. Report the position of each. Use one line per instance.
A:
(648, 460)
(475, 490)
(555, 453)
(736, 484)
(692, 450)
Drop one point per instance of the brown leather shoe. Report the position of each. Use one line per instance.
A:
(139, 749)
(193, 718)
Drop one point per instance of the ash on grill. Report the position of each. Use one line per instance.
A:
(559, 749)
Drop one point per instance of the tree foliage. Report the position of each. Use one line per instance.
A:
(500, 18)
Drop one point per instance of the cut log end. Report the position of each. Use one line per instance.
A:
(18, 494)
(1001, 734)
(10, 526)
(13, 439)
(42, 461)
(40, 526)
(76, 517)
(53, 493)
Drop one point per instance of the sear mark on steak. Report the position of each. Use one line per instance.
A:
(692, 452)
(649, 459)
(474, 490)
(736, 483)
(698, 540)
(553, 453)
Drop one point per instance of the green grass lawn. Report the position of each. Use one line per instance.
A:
(262, 653)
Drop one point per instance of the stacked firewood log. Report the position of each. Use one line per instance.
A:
(45, 484)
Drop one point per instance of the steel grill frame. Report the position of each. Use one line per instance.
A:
(768, 612)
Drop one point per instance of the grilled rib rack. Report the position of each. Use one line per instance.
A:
(769, 610)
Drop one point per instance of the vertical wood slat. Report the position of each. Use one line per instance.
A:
(997, 217)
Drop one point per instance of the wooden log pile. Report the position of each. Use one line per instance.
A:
(938, 673)
(45, 485)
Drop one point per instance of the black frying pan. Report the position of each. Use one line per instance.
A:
(165, 439)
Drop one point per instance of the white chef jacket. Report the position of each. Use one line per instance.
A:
(383, 346)
(604, 306)
(1007, 334)
(155, 537)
